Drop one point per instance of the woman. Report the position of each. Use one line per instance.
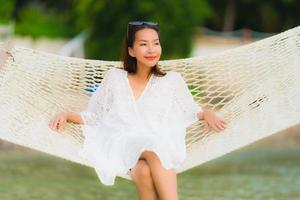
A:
(136, 121)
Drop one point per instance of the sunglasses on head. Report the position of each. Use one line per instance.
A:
(140, 23)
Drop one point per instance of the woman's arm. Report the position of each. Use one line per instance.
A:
(75, 118)
(97, 106)
(58, 122)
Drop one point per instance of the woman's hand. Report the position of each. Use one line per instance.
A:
(58, 122)
(211, 120)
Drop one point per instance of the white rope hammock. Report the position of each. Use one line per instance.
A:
(256, 88)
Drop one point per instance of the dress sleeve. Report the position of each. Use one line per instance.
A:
(185, 101)
(99, 103)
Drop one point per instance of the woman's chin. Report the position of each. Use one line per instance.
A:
(150, 64)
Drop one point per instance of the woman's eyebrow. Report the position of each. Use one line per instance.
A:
(147, 40)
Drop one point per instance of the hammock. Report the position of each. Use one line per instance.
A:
(255, 88)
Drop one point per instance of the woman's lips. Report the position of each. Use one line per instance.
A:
(150, 57)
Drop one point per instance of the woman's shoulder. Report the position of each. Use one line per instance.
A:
(114, 70)
(170, 79)
(175, 77)
(173, 74)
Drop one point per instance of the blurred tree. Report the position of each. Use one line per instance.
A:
(6, 10)
(263, 16)
(44, 18)
(230, 13)
(108, 19)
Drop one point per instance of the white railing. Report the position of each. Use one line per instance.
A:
(6, 31)
(75, 47)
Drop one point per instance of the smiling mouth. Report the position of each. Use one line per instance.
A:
(151, 58)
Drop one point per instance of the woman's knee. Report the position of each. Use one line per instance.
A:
(150, 156)
(141, 172)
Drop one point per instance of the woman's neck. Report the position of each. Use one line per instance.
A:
(143, 72)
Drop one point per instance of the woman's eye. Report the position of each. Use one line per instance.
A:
(142, 44)
(157, 43)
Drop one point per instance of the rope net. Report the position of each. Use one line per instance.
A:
(255, 88)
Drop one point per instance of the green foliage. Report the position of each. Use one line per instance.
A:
(108, 20)
(6, 9)
(36, 21)
(262, 16)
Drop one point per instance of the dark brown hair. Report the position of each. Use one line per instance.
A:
(129, 62)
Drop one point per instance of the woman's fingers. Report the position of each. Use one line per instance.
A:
(209, 124)
(206, 126)
(61, 125)
(216, 125)
(214, 121)
(222, 124)
(56, 124)
(219, 126)
(213, 125)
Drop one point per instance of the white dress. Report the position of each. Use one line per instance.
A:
(117, 128)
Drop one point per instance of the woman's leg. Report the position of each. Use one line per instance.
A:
(165, 181)
(141, 176)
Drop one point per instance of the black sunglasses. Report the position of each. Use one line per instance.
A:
(140, 23)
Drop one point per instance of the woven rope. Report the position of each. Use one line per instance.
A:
(256, 88)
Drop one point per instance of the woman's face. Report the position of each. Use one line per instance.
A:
(146, 47)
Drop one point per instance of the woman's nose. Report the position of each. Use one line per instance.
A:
(151, 48)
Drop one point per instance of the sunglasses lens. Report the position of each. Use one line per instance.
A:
(139, 23)
(152, 23)
(135, 23)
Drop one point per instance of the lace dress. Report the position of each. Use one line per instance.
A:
(118, 128)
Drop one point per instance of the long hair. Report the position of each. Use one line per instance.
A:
(129, 62)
